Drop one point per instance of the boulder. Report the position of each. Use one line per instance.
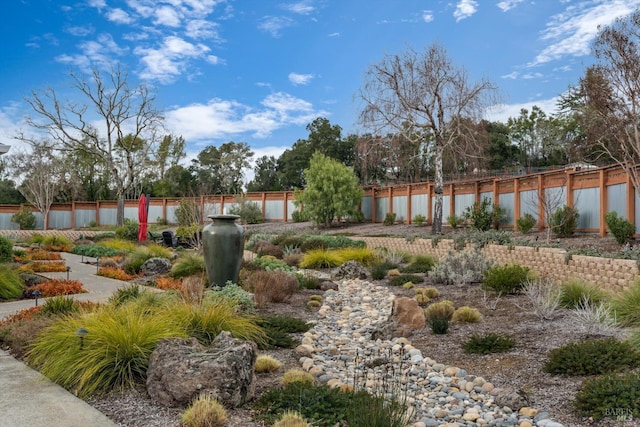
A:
(328, 285)
(514, 399)
(154, 266)
(349, 270)
(405, 318)
(181, 369)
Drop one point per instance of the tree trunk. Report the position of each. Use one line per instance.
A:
(436, 227)
(45, 219)
(120, 211)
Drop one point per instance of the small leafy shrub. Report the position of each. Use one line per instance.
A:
(297, 376)
(389, 219)
(272, 286)
(404, 278)
(57, 243)
(321, 258)
(11, 285)
(454, 220)
(204, 411)
(299, 216)
(267, 248)
(115, 273)
(466, 315)
(626, 305)
(564, 221)
(56, 287)
(313, 243)
(271, 264)
(248, 211)
(439, 326)
(420, 264)
(525, 223)
(25, 219)
(610, 396)
(379, 270)
(480, 215)
(188, 264)
(440, 310)
(128, 231)
(460, 268)
(60, 305)
(574, 292)
(488, 343)
(233, 294)
(278, 328)
(419, 220)
(6, 250)
(506, 279)
(621, 228)
(266, 364)
(309, 281)
(592, 357)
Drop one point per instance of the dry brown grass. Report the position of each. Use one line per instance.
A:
(271, 286)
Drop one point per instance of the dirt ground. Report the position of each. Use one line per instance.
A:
(519, 369)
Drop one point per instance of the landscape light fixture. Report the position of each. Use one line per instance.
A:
(36, 295)
(97, 265)
(68, 270)
(81, 332)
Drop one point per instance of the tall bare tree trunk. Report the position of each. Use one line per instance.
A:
(436, 227)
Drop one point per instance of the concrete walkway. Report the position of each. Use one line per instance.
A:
(28, 399)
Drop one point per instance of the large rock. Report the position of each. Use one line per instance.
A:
(180, 369)
(405, 318)
(154, 266)
(349, 270)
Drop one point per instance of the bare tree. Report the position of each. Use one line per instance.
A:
(614, 98)
(126, 118)
(426, 98)
(40, 173)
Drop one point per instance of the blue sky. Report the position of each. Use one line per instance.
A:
(259, 71)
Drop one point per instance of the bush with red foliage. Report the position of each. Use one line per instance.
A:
(55, 287)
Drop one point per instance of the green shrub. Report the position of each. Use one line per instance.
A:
(462, 267)
(488, 343)
(419, 220)
(204, 411)
(94, 251)
(480, 215)
(25, 219)
(115, 352)
(404, 278)
(440, 310)
(574, 293)
(420, 264)
(439, 326)
(626, 305)
(6, 250)
(379, 270)
(248, 211)
(309, 281)
(389, 219)
(506, 279)
(234, 294)
(299, 216)
(621, 228)
(454, 221)
(564, 221)
(592, 357)
(610, 396)
(11, 284)
(128, 231)
(125, 294)
(525, 223)
(270, 263)
(188, 264)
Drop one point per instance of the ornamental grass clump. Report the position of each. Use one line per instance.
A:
(438, 315)
(188, 264)
(113, 355)
(266, 364)
(466, 315)
(271, 286)
(404, 278)
(420, 264)
(11, 285)
(574, 292)
(321, 258)
(297, 376)
(204, 411)
(592, 357)
(291, 419)
(626, 306)
(364, 256)
(461, 268)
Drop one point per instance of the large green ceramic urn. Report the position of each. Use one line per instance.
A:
(223, 245)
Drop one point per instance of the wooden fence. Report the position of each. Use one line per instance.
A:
(594, 192)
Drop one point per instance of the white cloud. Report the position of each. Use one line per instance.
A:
(301, 8)
(80, 31)
(99, 4)
(427, 16)
(168, 16)
(202, 29)
(502, 112)
(506, 5)
(570, 33)
(529, 76)
(170, 59)
(219, 119)
(512, 76)
(334, 34)
(94, 52)
(119, 16)
(465, 9)
(300, 79)
(274, 24)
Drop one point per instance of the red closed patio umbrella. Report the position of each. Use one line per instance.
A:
(143, 214)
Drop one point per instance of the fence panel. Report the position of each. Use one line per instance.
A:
(587, 202)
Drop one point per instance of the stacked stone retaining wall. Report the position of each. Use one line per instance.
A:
(552, 263)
